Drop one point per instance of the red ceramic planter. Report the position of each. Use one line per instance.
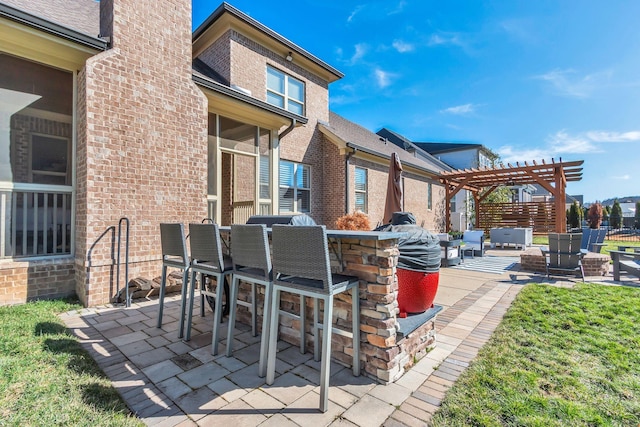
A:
(416, 291)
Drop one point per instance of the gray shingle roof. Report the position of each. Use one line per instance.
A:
(355, 135)
(79, 15)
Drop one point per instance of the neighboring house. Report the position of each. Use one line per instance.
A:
(116, 109)
(457, 156)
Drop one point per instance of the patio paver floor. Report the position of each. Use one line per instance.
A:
(169, 382)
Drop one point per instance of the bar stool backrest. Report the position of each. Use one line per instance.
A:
(250, 248)
(206, 245)
(173, 243)
(302, 251)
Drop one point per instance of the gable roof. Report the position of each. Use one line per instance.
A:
(226, 15)
(82, 16)
(429, 147)
(355, 137)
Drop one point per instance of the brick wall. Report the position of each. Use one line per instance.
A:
(141, 124)
(415, 195)
(30, 280)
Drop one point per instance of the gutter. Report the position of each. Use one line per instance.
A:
(287, 130)
(49, 27)
(226, 90)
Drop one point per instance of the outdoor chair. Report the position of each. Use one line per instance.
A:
(564, 253)
(625, 261)
(208, 260)
(473, 242)
(251, 263)
(301, 266)
(174, 255)
(592, 239)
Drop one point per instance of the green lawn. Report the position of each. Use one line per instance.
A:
(561, 357)
(46, 378)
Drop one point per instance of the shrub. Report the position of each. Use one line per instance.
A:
(616, 215)
(594, 217)
(574, 215)
(354, 221)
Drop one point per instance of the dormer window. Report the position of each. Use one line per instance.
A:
(285, 91)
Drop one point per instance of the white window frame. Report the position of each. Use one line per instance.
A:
(285, 95)
(362, 191)
(295, 188)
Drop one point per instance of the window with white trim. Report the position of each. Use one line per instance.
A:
(295, 187)
(361, 189)
(285, 91)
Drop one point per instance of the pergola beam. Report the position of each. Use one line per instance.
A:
(553, 177)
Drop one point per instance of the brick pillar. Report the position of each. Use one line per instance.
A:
(142, 140)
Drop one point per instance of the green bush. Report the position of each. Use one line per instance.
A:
(574, 215)
(615, 218)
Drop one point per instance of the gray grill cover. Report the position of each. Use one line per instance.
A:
(419, 248)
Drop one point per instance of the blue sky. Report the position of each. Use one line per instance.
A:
(530, 80)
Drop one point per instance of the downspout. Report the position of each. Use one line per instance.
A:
(288, 129)
(347, 199)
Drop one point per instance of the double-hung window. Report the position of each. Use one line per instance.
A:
(285, 91)
(361, 189)
(295, 187)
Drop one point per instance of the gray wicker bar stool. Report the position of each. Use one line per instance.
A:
(174, 255)
(251, 263)
(207, 259)
(301, 266)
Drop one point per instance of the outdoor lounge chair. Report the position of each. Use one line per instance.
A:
(592, 239)
(301, 266)
(625, 261)
(564, 253)
(473, 242)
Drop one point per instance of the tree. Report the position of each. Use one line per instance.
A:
(574, 215)
(636, 222)
(594, 216)
(615, 218)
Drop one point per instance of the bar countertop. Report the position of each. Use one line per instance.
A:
(348, 234)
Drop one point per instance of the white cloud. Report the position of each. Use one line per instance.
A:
(562, 143)
(402, 47)
(460, 110)
(602, 136)
(570, 83)
(359, 51)
(442, 38)
(399, 8)
(622, 177)
(354, 13)
(383, 78)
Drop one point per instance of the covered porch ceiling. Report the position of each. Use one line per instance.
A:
(553, 177)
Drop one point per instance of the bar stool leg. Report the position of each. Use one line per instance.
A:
(233, 300)
(303, 324)
(316, 329)
(254, 317)
(163, 283)
(191, 298)
(217, 314)
(355, 325)
(273, 336)
(325, 363)
(266, 333)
